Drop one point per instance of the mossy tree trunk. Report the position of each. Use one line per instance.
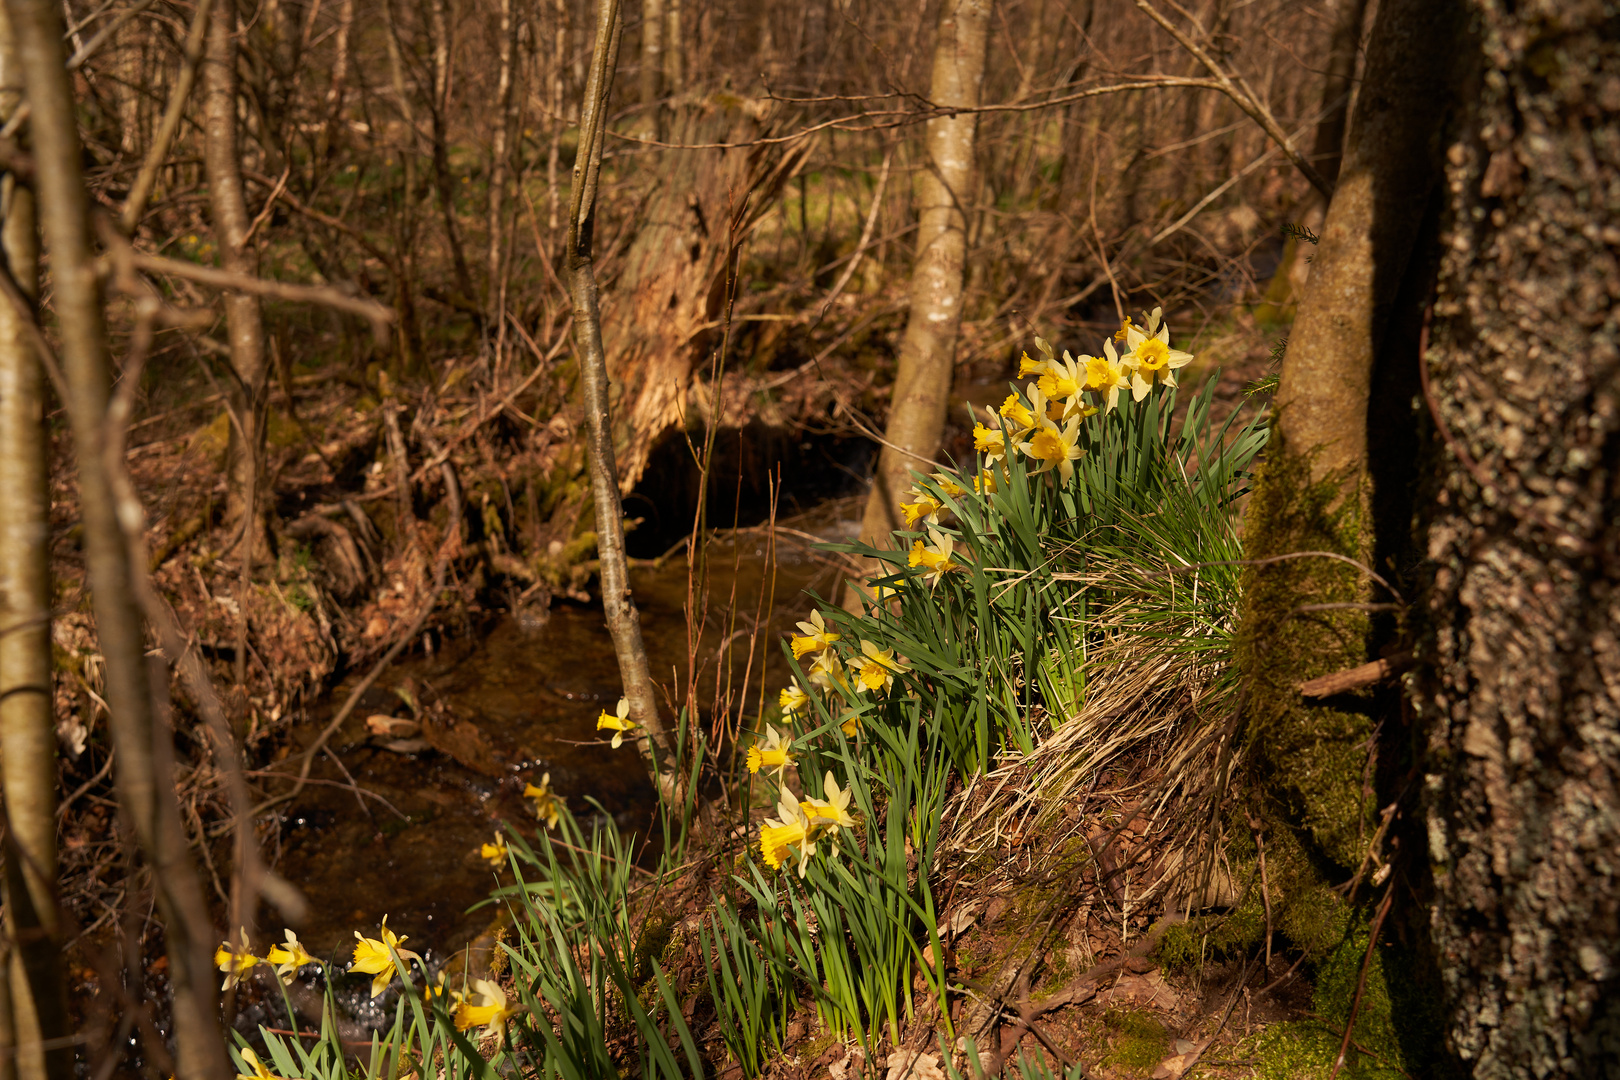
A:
(1520, 642)
(1317, 491)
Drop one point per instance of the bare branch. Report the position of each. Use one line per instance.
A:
(1244, 98)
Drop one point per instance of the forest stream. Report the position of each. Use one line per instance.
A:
(500, 709)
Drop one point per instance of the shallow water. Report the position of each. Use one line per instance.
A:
(518, 701)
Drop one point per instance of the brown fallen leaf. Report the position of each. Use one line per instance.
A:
(1185, 1057)
(394, 727)
(912, 1065)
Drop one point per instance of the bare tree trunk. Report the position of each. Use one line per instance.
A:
(247, 393)
(652, 65)
(143, 787)
(404, 217)
(500, 165)
(141, 190)
(1520, 629)
(444, 184)
(618, 605)
(1327, 153)
(922, 383)
(337, 92)
(674, 60)
(36, 992)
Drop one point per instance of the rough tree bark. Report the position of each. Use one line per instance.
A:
(922, 383)
(37, 996)
(146, 791)
(667, 303)
(1521, 646)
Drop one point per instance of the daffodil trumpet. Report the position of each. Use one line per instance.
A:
(618, 721)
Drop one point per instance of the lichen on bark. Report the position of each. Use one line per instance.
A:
(1520, 686)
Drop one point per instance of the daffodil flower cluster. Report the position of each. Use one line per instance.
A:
(840, 668)
(238, 963)
(800, 825)
(1044, 422)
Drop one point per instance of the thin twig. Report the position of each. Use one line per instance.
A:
(1361, 980)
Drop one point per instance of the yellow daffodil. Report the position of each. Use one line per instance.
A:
(935, 559)
(485, 1007)
(924, 508)
(1124, 330)
(236, 965)
(547, 807)
(1055, 448)
(288, 958)
(376, 957)
(947, 483)
(985, 483)
(827, 671)
(875, 668)
(617, 722)
(814, 636)
(786, 834)
(1028, 367)
(1019, 415)
(793, 699)
(1105, 375)
(1156, 362)
(261, 1071)
(990, 441)
(881, 594)
(437, 990)
(773, 755)
(850, 724)
(494, 854)
(833, 810)
(1062, 379)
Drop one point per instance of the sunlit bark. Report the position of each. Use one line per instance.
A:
(36, 997)
(922, 383)
(146, 790)
(618, 605)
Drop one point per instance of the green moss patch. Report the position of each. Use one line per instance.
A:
(1137, 1041)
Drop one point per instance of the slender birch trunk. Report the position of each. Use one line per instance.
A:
(922, 382)
(674, 66)
(439, 114)
(247, 394)
(652, 65)
(619, 607)
(36, 994)
(500, 164)
(143, 787)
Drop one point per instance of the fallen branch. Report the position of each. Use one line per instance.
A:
(1341, 682)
